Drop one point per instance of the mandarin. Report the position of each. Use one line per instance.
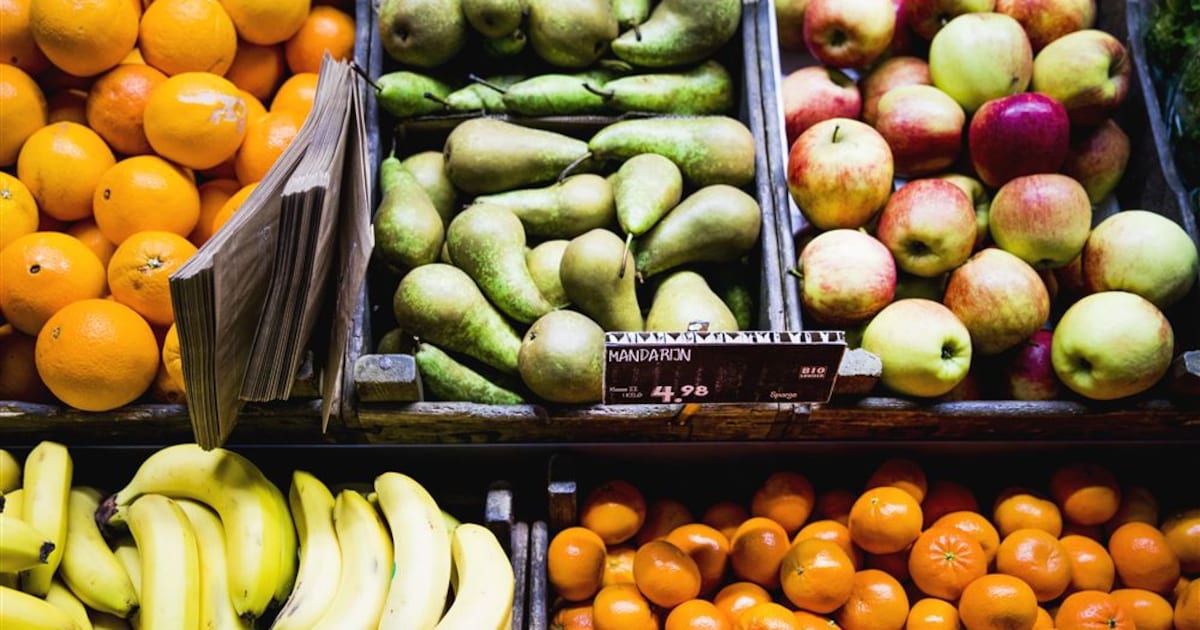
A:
(817, 575)
(932, 614)
(1150, 611)
(1088, 494)
(1037, 558)
(945, 496)
(326, 29)
(116, 105)
(697, 614)
(757, 550)
(1144, 558)
(878, 602)
(1019, 508)
(662, 516)
(998, 602)
(944, 560)
(665, 574)
(786, 498)
(618, 565)
(575, 561)
(1092, 610)
(1182, 531)
(707, 547)
(257, 69)
(615, 510)
(902, 473)
(885, 520)
(976, 526)
(622, 607)
(1092, 568)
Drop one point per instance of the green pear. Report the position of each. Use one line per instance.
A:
(486, 95)
(422, 33)
(389, 167)
(707, 149)
(429, 169)
(714, 224)
(557, 94)
(509, 45)
(448, 379)
(703, 90)
(736, 283)
(484, 155)
(392, 342)
(645, 188)
(494, 18)
(488, 242)
(680, 32)
(630, 13)
(684, 298)
(408, 228)
(562, 358)
(571, 33)
(544, 262)
(406, 94)
(600, 281)
(564, 210)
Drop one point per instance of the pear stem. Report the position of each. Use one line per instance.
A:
(365, 77)
(485, 83)
(601, 93)
(637, 32)
(437, 99)
(625, 255)
(566, 172)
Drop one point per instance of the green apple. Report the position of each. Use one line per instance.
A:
(1111, 345)
(925, 350)
(1143, 253)
(978, 57)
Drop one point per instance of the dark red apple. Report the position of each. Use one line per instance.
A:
(815, 93)
(1016, 135)
(1030, 372)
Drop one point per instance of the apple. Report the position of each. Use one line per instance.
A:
(923, 126)
(970, 388)
(979, 197)
(924, 349)
(1111, 345)
(978, 57)
(1051, 282)
(910, 286)
(1070, 278)
(902, 34)
(927, 17)
(1141, 252)
(1044, 219)
(1021, 134)
(789, 20)
(929, 226)
(1088, 71)
(849, 33)
(888, 75)
(1048, 20)
(840, 173)
(815, 93)
(1097, 159)
(1030, 371)
(999, 298)
(847, 276)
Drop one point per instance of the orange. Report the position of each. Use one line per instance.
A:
(89, 234)
(878, 602)
(97, 355)
(835, 505)
(663, 516)
(213, 195)
(231, 206)
(978, 527)
(144, 193)
(164, 390)
(725, 517)
(42, 272)
(786, 498)
(944, 560)
(1091, 567)
(665, 574)
(697, 614)
(1018, 508)
(739, 597)
(894, 564)
(67, 106)
(707, 547)
(885, 520)
(817, 575)
(116, 104)
(62, 164)
(614, 510)
(296, 93)
(618, 565)
(254, 108)
(267, 22)
(1143, 558)
(622, 607)
(1148, 610)
(22, 111)
(1182, 531)
(21, 380)
(757, 549)
(932, 614)
(18, 210)
(1037, 558)
(257, 69)
(832, 531)
(1092, 610)
(575, 563)
(178, 36)
(172, 359)
(195, 119)
(1187, 608)
(325, 29)
(945, 496)
(1088, 494)
(809, 621)
(139, 271)
(900, 473)
(573, 617)
(134, 57)
(768, 616)
(998, 602)
(1180, 587)
(16, 39)
(1137, 504)
(84, 37)
(1044, 620)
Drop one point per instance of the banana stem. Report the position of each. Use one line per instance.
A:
(625, 255)
(485, 83)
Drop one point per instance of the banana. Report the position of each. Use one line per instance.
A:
(130, 558)
(10, 472)
(320, 556)
(22, 611)
(366, 566)
(288, 556)
(170, 596)
(13, 504)
(216, 609)
(48, 471)
(417, 594)
(89, 568)
(63, 599)
(105, 621)
(237, 490)
(484, 598)
(451, 522)
(21, 546)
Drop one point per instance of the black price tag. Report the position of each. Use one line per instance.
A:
(721, 367)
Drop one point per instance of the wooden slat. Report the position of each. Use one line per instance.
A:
(519, 553)
(539, 590)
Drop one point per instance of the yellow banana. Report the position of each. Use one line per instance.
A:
(13, 504)
(48, 471)
(216, 609)
(484, 598)
(170, 596)
(22, 611)
(417, 594)
(130, 558)
(21, 546)
(366, 566)
(105, 621)
(240, 494)
(288, 556)
(10, 472)
(451, 522)
(63, 599)
(320, 556)
(89, 567)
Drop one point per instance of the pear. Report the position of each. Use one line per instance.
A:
(683, 298)
(563, 210)
(408, 228)
(600, 282)
(571, 33)
(645, 188)
(714, 224)
(429, 169)
(557, 94)
(707, 149)
(705, 89)
(680, 32)
(422, 33)
(406, 94)
(494, 18)
(630, 13)
(562, 358)
(484, 155)
(544, 262)
(448, 379)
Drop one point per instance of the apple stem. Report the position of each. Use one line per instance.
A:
(836, 129)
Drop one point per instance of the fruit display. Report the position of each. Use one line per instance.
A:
(898, 543)
(129, 133)
(954, 166)
(203, 539)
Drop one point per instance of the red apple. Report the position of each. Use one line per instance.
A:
(1088, 71)
(840, 173)
(902, 36)
(849, 33)
(978, 57)
(1097, 159)
(999, 298)
(1047, 20)
(815, 93)
(1043, 219)
(1030, 371)
(847, 276)
(889, 75)
(789, 20)
(923, 126)
(927, 17)
(1021, 134)
(979, 197)
(929, 226)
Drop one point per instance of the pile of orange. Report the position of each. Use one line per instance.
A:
(1084, 553)
(130, 132)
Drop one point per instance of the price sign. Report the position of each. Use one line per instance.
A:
(720, 367)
